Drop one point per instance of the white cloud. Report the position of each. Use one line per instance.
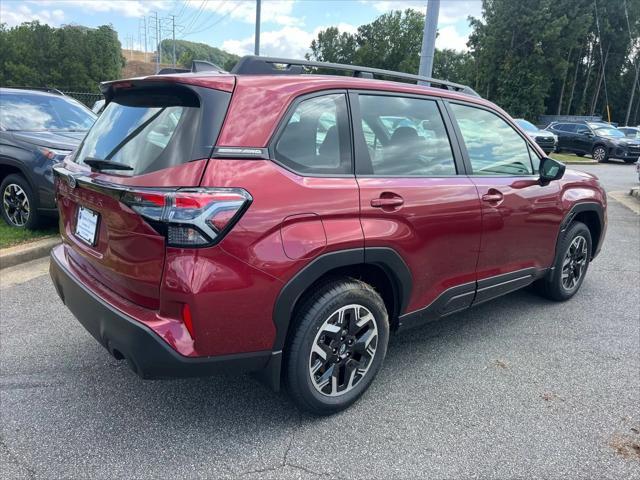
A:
(451, 11)
(127, 8)
(13, 13)
(449, 37)
(272, 11)
(288, 42)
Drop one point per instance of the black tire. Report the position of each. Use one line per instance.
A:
(13, 188)
(600, 154)
(318, 311)
(554, 287)
(580, 154)
(631, 160)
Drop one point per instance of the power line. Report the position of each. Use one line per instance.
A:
(201, 25)
(214, 23)
(197, 15)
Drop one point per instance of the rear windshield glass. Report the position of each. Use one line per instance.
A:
(36, 112)
(149, 129)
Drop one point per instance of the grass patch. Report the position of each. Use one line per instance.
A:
(10, 236)
(569, 157)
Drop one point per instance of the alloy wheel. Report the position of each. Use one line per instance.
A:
(599, 154)
(343, 350)
(574, 263)
(16, 205)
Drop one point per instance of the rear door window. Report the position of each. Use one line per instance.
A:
(405, 137)
(149, 129)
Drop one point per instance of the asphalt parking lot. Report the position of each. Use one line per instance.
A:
(516, 388)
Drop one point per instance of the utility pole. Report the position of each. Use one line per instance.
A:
(256, 48)
(145, 38)
(633, 91)
(173, 34)
(429, 40)
(157, 38)
(636, 64)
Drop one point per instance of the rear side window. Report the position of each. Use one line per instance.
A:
(405, 137)
(316, 139)
(493, 146)
(149, 129)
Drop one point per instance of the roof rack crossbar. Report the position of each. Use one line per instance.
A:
(256, 65)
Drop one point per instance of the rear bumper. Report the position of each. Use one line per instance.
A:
(147, 354)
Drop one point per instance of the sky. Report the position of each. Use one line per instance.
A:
(287, 26)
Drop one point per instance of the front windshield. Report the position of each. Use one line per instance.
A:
(609, 132)
(36, 113)
(528, 126)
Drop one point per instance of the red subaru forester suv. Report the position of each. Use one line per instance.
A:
(273, 221)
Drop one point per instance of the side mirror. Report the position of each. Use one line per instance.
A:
(550, 170)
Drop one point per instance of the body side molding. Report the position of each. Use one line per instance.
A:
(461, 297)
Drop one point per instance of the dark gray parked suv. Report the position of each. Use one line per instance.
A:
(600, 140)
(37, 129)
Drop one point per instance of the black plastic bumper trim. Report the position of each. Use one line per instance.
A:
(146, 353)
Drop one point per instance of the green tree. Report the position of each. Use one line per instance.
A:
(392, 42)
(557, 56)
(333, 46)
(187, 51)
(72, 57)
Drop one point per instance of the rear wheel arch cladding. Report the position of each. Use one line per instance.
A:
(386, 258)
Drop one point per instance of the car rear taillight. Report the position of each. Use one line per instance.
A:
(190, 217)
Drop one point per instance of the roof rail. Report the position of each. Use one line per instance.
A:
(256, 65)
(55, 91)
(196, 66)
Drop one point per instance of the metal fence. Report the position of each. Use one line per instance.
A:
(545, 120)
(87, 98)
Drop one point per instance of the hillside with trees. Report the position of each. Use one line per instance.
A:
(531, 58)
(188, 51)
(70, 58)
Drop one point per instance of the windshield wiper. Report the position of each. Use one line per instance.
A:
(100, 164)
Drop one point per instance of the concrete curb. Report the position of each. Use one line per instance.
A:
(571, 162)
(12, 256)
(635, 192)
(625, 198)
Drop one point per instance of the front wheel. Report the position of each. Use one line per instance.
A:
(600, 153)
(571, 264)
(337, 347)
(630, 160)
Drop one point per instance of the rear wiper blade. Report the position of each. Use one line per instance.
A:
(100, 164)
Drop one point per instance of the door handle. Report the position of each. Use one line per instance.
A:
(493, 196)
(387, 202)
